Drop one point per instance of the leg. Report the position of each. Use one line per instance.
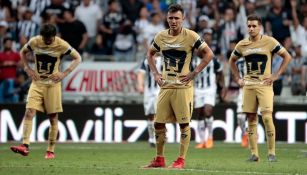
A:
(270, 134)
(252, 119)
(159, 160)
(200, 112)
(184, 139)
(184, 145)
(53, 131)
(209, 123)
(27, 129)
(151, 130)
(241, 118)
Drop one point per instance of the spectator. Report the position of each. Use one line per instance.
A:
(124, 44)
(277, 21)
(295, 70)
(131, 8)
(89, 13)
(73, 31)
(98, 47)
(26, 28)
(3, 33)
(111, 23)
(298, 31)
(139, 27)
(56, 8)
(37, 7)
(189, 13)
(228, 30)
(155, 26)
(9, 61)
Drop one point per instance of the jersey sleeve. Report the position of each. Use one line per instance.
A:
(276, 47)
(198, 43)
(156, 42)
(30, 44)
(237, 51)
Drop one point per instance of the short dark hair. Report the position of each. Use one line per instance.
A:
(254, 17)
(111, 2)
(175, 8)
(48, 30)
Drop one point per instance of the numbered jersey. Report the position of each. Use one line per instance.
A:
(151, 85)
(47, 57)
(206, 79)
(258, 56)
(177, 55)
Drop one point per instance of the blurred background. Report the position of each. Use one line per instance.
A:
(100, 98)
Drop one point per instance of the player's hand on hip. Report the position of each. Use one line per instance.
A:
(270, 79)
(159, 79)
(31, 73)
(187, 78)
(57, 77)
(240, 82)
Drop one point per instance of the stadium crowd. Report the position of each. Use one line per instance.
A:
(122, 30)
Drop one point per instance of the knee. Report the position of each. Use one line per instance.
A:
(267, 117)
(183, 125)
(159, 126)
(53, 118)
(252, 118)
(29, 114)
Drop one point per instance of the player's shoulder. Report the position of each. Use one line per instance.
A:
(163, 32)
(243, 42)
(36, 40)
(189, 32)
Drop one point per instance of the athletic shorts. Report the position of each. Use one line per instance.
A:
(45, 98)
(174, 105)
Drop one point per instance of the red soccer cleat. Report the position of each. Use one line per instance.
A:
(178, 164)
(49, 155)
(21, 149)
(157, 162)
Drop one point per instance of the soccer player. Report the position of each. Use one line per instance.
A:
(257, 51)
(205, 88)
(175, 100)
(149, 87)
(45, 90)
(241, 116)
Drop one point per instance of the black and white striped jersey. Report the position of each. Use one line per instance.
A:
(151, 85)
(206, 79)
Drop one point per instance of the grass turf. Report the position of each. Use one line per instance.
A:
(127, 158)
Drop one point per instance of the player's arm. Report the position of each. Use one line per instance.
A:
(140, 81)
(234, 69)
(26, 49)
(206, 54)
(286, 59)
(151, 62)
(221, 82)
(59, 76)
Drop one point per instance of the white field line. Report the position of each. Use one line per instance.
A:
(161, 169)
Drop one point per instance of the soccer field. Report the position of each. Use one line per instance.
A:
(127, 158)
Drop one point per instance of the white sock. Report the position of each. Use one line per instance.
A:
(241, 122)
(151, 131)
(201, 130)
(209, 123)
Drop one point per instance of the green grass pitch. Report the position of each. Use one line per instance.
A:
(127, 158)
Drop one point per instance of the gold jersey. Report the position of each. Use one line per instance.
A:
(48, 57)
(177, 55)
(258, 57)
